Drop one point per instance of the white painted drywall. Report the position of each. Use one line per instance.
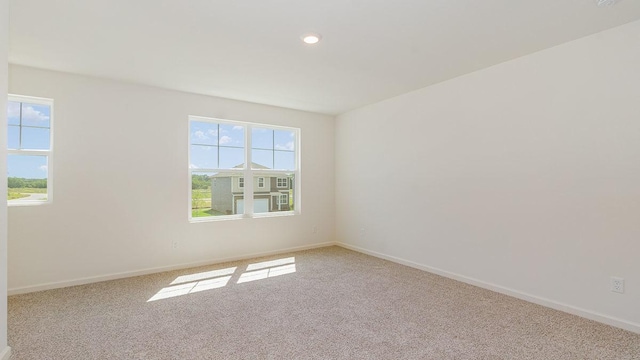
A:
(525, 175)
(121, 184)
(4, 81)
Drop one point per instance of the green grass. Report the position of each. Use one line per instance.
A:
(19, 193)
(29, 190)
(205, 212)
(201, 199)
(15, 195)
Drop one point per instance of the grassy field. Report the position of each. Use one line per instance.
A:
(19, 193)
(201, 203)
(14, 195)
(29, 190)
(205, 212)
(201, 198)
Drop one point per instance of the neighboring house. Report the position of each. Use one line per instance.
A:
(271, 192)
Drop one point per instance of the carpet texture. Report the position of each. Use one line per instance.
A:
(327, 303)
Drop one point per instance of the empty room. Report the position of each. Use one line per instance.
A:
(353, 179)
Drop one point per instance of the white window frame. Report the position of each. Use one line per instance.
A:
(260, 180)
(241, 182)
(286, 199)
(47, 153)
(247, 172)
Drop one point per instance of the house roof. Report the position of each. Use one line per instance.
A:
(253, 166)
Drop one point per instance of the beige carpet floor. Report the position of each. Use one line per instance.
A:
(327, 303)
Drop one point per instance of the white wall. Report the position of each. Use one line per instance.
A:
(4, 53)
(524, 176)
(121, 184)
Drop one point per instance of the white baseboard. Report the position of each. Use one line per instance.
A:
(5, 354)
(126, 274)
(588, 314)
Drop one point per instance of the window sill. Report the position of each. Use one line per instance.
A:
(240, 217)
(27, 203)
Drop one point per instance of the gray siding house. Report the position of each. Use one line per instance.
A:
(272, 192)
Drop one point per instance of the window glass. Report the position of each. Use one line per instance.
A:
(29, 150)
(35, 138)
(214, 194)
(27, 178)
(13, 113)
(14, 137)
(217, 168)
(204, 157)
(203, 133)
(275, 198)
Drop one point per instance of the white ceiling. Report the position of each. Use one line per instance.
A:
(251, 50)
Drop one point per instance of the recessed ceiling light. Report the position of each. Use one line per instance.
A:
(311, 38)
(607, 2)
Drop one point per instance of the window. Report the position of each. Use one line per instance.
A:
(30, 124)
(219, 151)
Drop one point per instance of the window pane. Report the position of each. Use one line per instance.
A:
(27, 178)
(201, 194)
(204, 133)
(215, 194)
(231, 158)
(284, 140)
(204, 157)
(228, 195)
(36, 115)
(14, 137)
(35, 138)
(285, 160)
(278, 194)
(261, 194)
(13, 113)
(262, 159)
(231, 135)
(261, 138)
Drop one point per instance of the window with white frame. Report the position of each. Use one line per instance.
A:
(29, 147)
(221, 183)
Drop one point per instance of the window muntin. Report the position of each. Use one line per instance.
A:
(220, 149)
(29, 146)
(273, 148)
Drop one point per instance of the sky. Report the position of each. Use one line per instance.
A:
(221, 146)
(29, 129)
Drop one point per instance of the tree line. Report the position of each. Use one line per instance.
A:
(14, 183)
(200, 182)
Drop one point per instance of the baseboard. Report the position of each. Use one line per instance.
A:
(126, 274)
(588, 314)
(5, 354)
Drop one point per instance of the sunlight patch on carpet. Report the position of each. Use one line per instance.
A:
(267, 273)
(272, 263)
(215, 279)
(203, 275)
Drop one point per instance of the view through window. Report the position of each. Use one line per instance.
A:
(30, 122)
(222, 185)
